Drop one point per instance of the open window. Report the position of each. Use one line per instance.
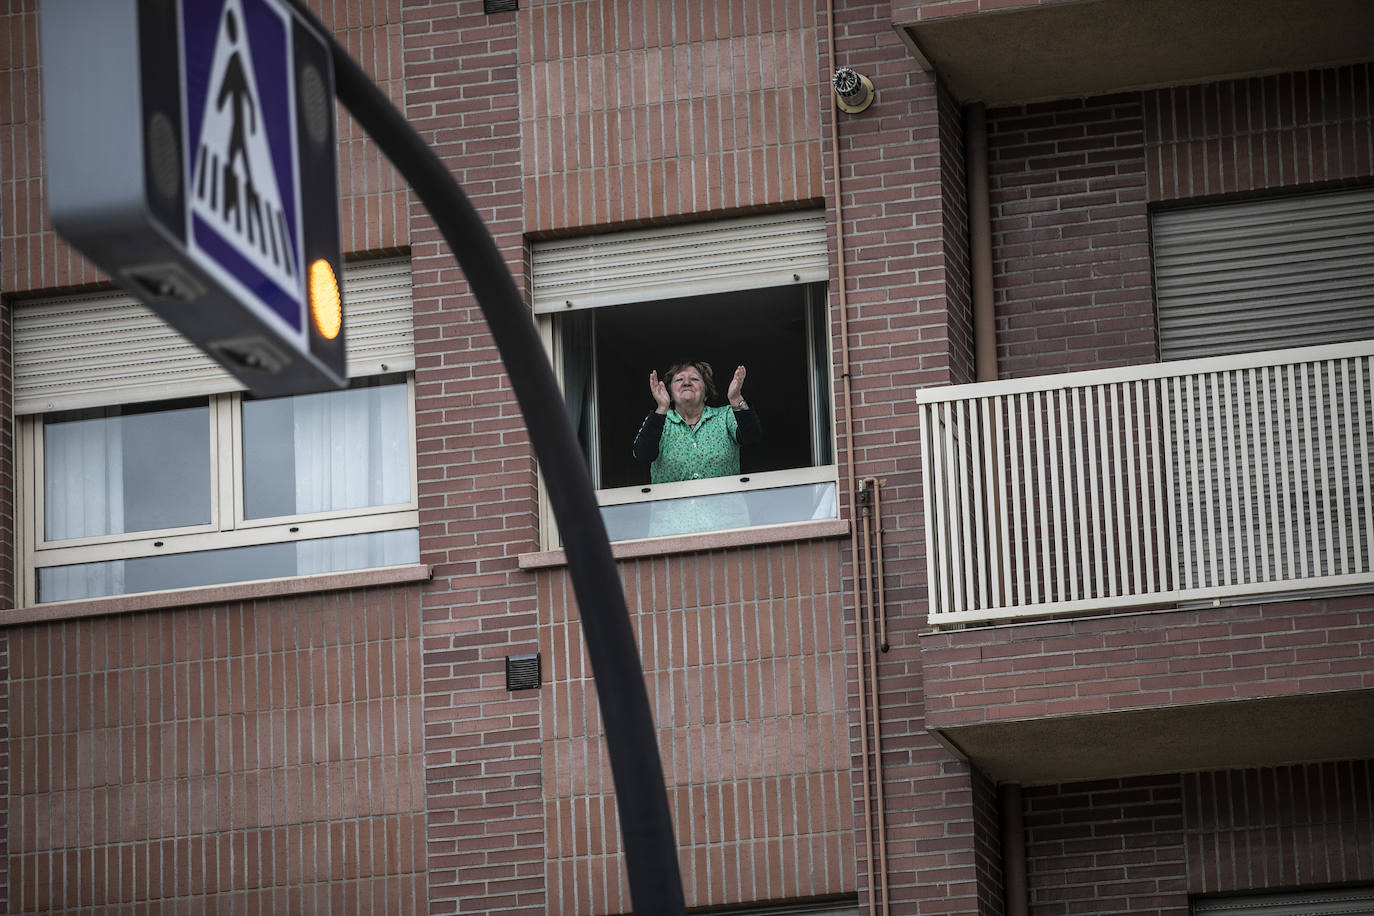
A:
(743, 292)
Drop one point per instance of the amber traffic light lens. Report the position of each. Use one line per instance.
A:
(326, 306)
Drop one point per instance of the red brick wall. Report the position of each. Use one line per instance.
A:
(1122, 662)
(305, 791)
(744, 655)
(1277, 828)
(1240, 136)
(958, 282)
(1070, 236)
(262, 756)
(897, 253)
(477, 483)
(1112, 846)
(635, 113)
(1071, 181)
(1144, 845)
(372, 200)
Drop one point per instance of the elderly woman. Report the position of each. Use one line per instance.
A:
(683, 437)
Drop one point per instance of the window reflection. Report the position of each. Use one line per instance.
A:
(238, 564)
(720, 511)
(120, 469)
(327, 452)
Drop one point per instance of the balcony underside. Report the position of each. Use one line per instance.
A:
(1071, 50)
(1243, 733)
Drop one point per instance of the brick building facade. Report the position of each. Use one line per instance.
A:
(343, 740)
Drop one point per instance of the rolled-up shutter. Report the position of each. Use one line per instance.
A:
(754, 252)
(1353, 901)
(1265, 274)
(103, 349)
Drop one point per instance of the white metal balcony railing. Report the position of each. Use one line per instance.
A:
(1183, 481)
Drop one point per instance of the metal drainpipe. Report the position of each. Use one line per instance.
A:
(847, 443)
(980, 242)
(1014, 893)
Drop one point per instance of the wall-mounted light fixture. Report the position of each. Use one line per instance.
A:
(853, 90)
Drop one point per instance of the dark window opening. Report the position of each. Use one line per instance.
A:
(779, 335)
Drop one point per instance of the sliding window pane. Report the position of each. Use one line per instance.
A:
(121, 469)
(327, 452)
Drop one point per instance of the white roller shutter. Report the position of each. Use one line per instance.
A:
(618, 268)
(98, 350)
(1355, 901)
(1265, 274)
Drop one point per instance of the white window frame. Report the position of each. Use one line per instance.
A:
(105, 350)
(620, 496)
(649, 265)
(227, 528)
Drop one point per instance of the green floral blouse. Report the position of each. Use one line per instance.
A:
(710, 449)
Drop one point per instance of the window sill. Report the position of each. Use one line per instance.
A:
(692, 543)
(216, 594)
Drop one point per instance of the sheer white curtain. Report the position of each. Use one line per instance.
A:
(352, 451)
(83, 496)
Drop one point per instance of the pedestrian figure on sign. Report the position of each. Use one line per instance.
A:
(243, 119)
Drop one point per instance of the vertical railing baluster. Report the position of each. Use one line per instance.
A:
(1339, 482)
(948, 559)
(1119, 514)
(1252, 486)
(1212, 452)
(1308, 520)
(1042, 538)
(1135, 496)
(1366, 438)
(1233, 468)
(978, 410)
(1081, 495)
(931, 492)
(1019, 498)
(1101, 524)
(1292, 483)
(1195, 490)
(1178, 511)
(1162, 514)
(1266, 460)
(1056, 492)
(1004, 597)
(1321, 475)
(954, 468)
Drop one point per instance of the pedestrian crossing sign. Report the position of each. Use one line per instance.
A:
(243, 197)
(232, 166)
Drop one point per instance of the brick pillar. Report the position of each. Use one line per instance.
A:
(477, 483)
(898, 252)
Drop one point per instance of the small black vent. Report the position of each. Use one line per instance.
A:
(522, 672)
(500, 6)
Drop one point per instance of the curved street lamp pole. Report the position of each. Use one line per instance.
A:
(641, 795)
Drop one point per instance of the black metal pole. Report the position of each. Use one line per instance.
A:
(641, 795)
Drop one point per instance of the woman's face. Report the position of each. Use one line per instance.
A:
(687, 388)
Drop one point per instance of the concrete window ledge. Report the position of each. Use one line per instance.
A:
(693, 543)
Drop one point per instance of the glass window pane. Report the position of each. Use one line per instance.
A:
(120, 469)
(237, 564)
(327, 452)
(720, 511)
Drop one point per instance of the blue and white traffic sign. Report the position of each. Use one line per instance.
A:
(241, 146)
(213, 196)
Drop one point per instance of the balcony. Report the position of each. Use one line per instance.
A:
(1035, 50)
(1201, 480)
(1153, 569)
